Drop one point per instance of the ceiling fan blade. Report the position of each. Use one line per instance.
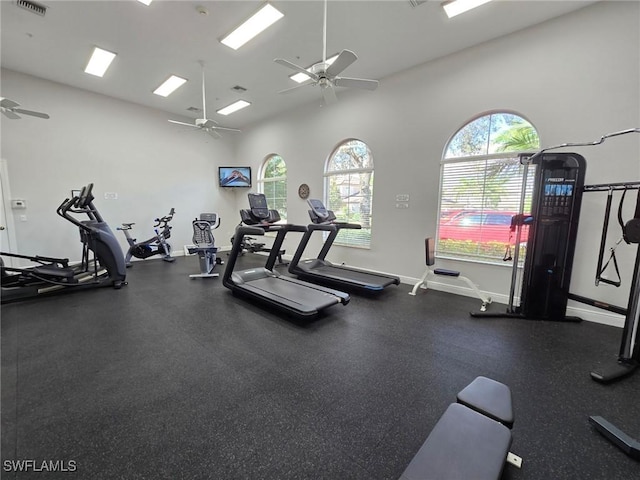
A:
(297, 68)
(6, 103)
(289, 90)
(10, 114)
(227, 129)
(31, 112)
(183, 123)
(356, 83)
(345, 58)
(329, 94)
(213, 133)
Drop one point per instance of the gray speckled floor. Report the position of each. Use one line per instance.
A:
(176, 378)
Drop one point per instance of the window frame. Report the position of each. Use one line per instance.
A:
(262, 181)
(484, 158)
(343, 238)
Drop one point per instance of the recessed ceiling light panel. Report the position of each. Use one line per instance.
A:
(169, 86)
(262, 19)
(456, 7)
(234, 107)
(99, 62)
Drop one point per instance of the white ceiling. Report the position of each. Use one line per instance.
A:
(170, 37)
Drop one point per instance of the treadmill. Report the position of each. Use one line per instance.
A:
(296, 297)
(321, 270)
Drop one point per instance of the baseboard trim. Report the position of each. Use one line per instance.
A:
(595, 316)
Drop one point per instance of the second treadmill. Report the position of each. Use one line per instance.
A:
(321, 270)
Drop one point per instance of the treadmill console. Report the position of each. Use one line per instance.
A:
(259, 212)
(258, 205)
(319, 213)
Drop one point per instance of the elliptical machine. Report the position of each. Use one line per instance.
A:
(156, 245)
(102, 259)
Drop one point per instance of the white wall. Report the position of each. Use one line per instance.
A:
(124, 148)
(575, 78)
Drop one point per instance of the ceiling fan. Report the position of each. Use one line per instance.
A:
(325, 75)
(10, 110)
(206, 124)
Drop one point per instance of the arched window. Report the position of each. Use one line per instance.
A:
(272, 181)
(481, 184)
(349, 190)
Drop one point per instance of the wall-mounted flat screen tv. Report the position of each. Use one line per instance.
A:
(234, 176)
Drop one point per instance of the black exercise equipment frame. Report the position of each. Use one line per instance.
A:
(553, 228)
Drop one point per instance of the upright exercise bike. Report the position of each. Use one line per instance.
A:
(156, 245)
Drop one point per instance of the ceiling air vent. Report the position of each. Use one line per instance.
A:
(194, 109)
(32, 7)
(417, 3)
(238, 88)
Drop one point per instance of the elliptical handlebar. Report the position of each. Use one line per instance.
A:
(81, 203)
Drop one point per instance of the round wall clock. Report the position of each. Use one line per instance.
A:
(303, 191)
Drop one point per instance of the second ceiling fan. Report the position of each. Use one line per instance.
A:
(206, 124)
(325, 75)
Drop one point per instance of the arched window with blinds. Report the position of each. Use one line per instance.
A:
(272, 181)
(349, 190)
(480, 186)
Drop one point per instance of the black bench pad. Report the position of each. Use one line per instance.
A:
(463, 445)
(490, 398)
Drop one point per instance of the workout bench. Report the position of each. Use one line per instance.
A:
(472, 438)
(429, 244)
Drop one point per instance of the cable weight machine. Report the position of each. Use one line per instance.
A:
(553, 228)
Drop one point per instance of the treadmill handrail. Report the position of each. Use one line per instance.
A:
(339, 225)
(236, 247)
(289, 227)
(244, 230)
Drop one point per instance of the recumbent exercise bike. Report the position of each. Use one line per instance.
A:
(205, 244)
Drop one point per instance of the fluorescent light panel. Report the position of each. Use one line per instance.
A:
(99, 62)
(260, 20)
(301, 77)
(234, 107)
(146, 2)
(456, 7)
(169, 86)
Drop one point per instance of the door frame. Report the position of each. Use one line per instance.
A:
(6, 207)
